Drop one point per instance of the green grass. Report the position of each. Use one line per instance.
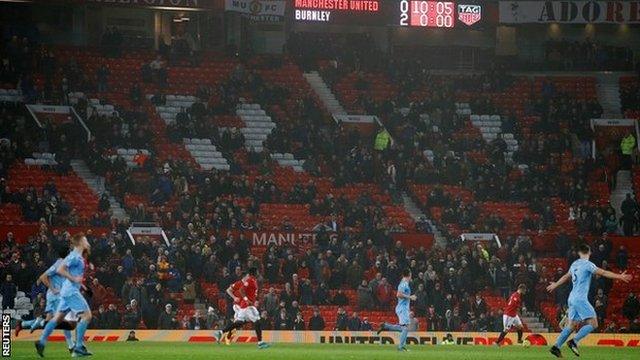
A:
(159, 351)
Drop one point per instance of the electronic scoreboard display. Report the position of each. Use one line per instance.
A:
(403, 13)
(437, 14)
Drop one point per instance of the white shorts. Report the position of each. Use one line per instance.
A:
(508, 322)
(248, 314)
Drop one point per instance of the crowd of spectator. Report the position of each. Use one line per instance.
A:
(134, 285)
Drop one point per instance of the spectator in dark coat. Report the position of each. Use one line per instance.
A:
(340, 299)
(167, 320)
(112, 318)
(354, 323)
(622, 258)
(131, 316)
(316, 322)
(8, 289)
(98, 321)
(265, 320)
(298, 323)
(631, 307)
(342, 320)
(366, 325)
(321, 295)
(282, 322)
(365, 296)
(198, 321)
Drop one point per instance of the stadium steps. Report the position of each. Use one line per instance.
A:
(287, 159)
(490, 127)
(416, 214)
(96, 183)
(174, 104)
(624, 186)
(206, 154)
(324, 92)
(258, 126)
(608, 90)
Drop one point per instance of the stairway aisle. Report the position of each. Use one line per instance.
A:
(609, 95)
(412, 208)
(324, 92)
(490, 126)
(96, 183)
(258, 125)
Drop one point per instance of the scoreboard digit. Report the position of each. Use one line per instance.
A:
(404, 12)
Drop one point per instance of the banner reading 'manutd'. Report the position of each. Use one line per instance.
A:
(572, 12)
(343, 337)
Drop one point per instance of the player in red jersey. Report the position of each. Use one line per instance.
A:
(244, 294)
(510, 319)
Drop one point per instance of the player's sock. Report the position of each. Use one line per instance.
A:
(391, 327)
(233, 326)
(519, 335)
(80, 330)
(68, 339)
(564, 335)
(584, 331)
(258, 328)
(48, 329)
(403, 336)
(501, 337)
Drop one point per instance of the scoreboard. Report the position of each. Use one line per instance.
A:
(404, 13)
(437, 14)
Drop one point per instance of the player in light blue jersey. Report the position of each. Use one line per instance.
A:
(53, 281)
(402, 310)
(580, 310)
(72, 269)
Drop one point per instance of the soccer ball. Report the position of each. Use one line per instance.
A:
(526, 343)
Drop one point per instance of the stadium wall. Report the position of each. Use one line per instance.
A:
(340, 337)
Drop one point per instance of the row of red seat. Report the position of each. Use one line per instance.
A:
(70, 187)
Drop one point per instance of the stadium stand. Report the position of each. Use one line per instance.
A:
(214, 150)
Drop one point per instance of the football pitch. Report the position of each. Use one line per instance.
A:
(164, 350)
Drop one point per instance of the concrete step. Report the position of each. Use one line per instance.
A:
(608, 91)
(412, 208)
(96, 184)
(327, 96)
